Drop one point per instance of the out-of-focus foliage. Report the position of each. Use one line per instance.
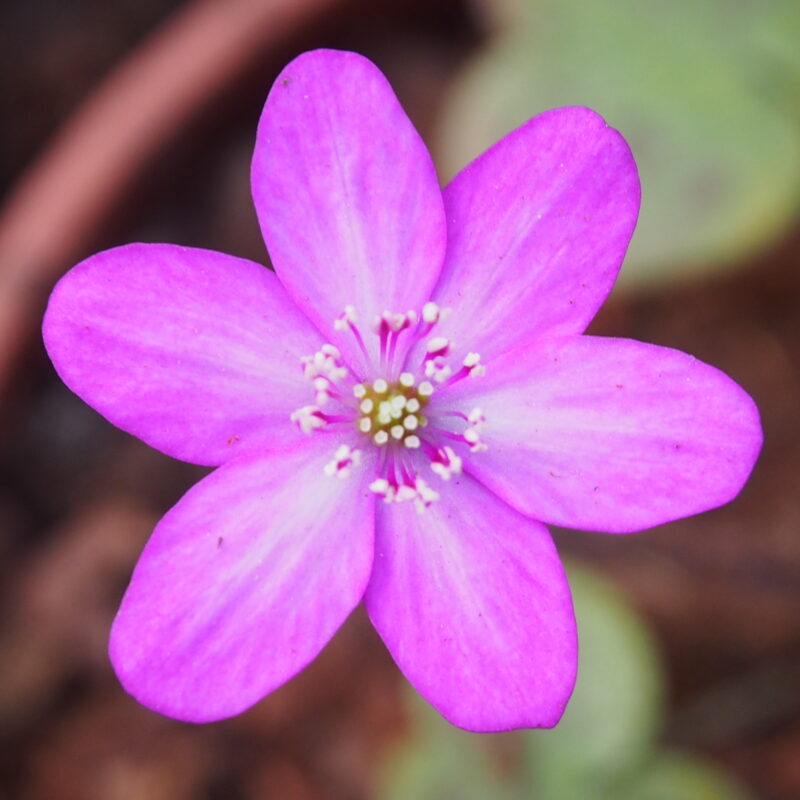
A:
(706, 93)
(605, 747)
(609, 728)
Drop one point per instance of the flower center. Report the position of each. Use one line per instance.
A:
(393, 411)
(400, 413)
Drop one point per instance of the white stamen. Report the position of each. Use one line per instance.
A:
(418, 491)
(410, 423)
(382, 487)
(412, 442)
(377, 322)
(394, 321)
(425, 389)
(344, 458)
(359, 390)
(399, 402)
(380, 385)
(425, 495)
(412, 405)
(438, 345)
(398, 431)
(308, 418)
(380, 438)
(473, 363)
(324, 364)
(366, 406)
(438, 370)
(346, 318)
(472, 435)
(476, 418)
(407, 379)
(448, 463)
(430, 313)
(441, 470)
(365, 424)
(404, 493)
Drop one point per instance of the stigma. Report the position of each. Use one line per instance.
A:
(392, 412)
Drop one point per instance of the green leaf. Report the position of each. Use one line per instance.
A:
(609, 727)
(440, 762)
(676, 776)
(706, 93)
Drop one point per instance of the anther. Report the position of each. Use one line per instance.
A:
(344, 458)
(380, 438)
(437, 369)
(472, 435)
(476, 418)
(406, 379)
(438, 346)
(383, 488)
(425, 495)
(345, 319)
(446, 463)
(473, 364)
(430, 313)
(308, 418)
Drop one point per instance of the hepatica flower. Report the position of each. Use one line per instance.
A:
(396, 412)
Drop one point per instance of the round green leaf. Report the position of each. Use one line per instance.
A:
(682, 777)
(609, 727)
(705, 93)
(440, 762)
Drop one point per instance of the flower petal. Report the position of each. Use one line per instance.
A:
(610, 434)
(243, 582)
(346, 193)
(537, 230)
(472, 601)
(193, 351)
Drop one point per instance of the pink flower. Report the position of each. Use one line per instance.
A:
(372, 444)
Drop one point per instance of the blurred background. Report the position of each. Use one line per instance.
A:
(134, 120)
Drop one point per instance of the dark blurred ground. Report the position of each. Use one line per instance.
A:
(78, 498)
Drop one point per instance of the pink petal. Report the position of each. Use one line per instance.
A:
(537, 230)
(346, 193)
(195, 352)
(472, 601)
(243, 582)
(610, 434)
